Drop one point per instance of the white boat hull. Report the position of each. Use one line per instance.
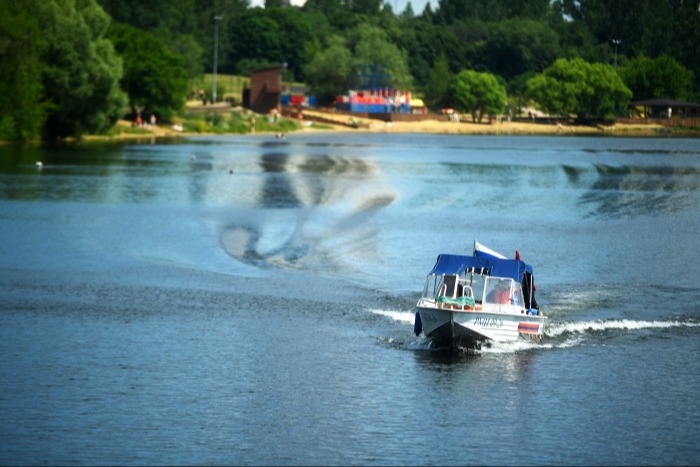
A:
(448, 327)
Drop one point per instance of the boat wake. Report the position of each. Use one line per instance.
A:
(581, 327)
(399, 316)
(557, 334)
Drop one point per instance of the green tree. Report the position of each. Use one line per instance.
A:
(490, 10)
(297, 32)
(659, 77)
(365, 7)
(209, 30)
(336, 12)
(174, 22)
(22, 111)
(581, 88)
(371, 46)
(479, 94)
(328, 73)
(686, 37)
(81, 69)
(644, 27)
(155, 78)
(275, 35)
(437, 91)
(466, 50)
(424, 42)
(575, 38)
(517, 46)
(256, 36)
(408, 12)
(169, 17)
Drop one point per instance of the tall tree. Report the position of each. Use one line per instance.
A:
(686, 37)
(174, 22)
(296, 32)
(659, 77)
(82, 70)
(336, 11)
(408, 12)
(329, 71)
(365, 7)
(211, 31)
(424, 42)
(167, 19)
(371, 46)
(575, 37)
(437, 91)
(155, 78)
(22, 111)
(490, 10)
(642, 26)
(517, 46)
(257, 40)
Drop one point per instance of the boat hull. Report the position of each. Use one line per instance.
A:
(471, 328)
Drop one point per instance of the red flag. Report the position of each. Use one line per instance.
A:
(517, 255)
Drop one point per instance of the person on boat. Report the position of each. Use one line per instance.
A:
(500, 294)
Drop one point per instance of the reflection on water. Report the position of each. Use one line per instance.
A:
(277, 191)
(316, 209)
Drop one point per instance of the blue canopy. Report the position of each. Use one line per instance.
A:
(481, 263)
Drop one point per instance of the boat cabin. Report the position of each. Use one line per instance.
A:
(481, 279)
(472, 289)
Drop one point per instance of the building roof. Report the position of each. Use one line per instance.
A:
(664, 103)
(267, 69)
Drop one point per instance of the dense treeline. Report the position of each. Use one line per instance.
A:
(76, 66)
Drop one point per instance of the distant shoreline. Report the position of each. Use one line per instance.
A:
(425, 127)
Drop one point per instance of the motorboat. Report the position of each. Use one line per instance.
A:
(469, 301)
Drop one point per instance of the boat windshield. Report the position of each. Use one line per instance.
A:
(476, 282)
(503, 291)
(484, 289)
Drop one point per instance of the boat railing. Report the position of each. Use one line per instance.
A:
(448, 291)
(467, 291)
(455, 294)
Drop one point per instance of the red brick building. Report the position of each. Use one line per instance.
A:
(265, 89)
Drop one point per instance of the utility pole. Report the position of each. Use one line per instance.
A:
(217, 18)
(616, 42)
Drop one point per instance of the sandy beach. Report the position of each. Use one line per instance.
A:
(342, 122)
(324, 121)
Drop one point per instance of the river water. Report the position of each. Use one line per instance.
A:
(250, 300)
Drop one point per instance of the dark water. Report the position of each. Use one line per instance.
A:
(249, 300)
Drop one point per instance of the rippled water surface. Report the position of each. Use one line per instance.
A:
(250, 300)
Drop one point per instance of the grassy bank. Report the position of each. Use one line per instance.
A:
(221, 119)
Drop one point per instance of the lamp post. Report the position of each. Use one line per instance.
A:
(616, 42)
(217, 18)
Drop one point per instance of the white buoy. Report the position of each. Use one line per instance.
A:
(39, 164)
